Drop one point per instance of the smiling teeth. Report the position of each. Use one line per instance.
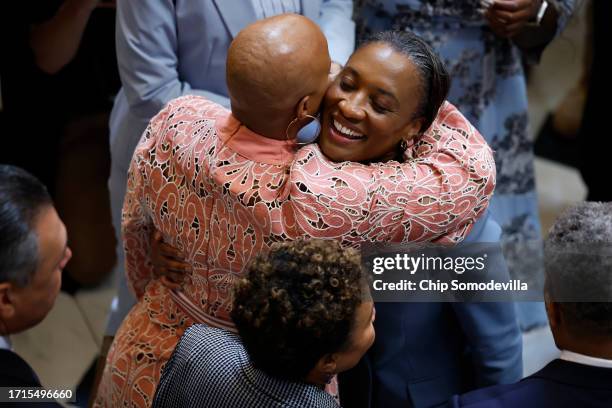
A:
(346, 130)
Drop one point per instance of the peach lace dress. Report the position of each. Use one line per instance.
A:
(222, 194)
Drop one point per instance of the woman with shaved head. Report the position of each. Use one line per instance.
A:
(223, 186)
(170, 48)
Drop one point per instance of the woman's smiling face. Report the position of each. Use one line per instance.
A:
(370, 107)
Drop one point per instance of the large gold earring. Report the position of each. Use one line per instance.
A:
(289, 127)
(294, 121)
(403, 145)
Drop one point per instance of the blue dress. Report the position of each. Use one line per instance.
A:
(489, 88)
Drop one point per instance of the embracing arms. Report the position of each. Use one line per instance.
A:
(436, 194)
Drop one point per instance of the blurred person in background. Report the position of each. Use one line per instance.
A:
(577, 124)
(58, 83)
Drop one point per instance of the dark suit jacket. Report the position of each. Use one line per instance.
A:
(15, 372)
(561, 384)
(426, 352)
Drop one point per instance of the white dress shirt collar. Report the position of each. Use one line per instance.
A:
(584, 359)
(5, 343)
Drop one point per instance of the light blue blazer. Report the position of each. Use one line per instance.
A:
(169, 48)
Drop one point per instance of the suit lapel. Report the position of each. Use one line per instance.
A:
(236, 14)
(311, 9)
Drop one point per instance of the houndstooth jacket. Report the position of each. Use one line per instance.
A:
(211, 368)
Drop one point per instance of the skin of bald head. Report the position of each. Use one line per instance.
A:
(277, 70)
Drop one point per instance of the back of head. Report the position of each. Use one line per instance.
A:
(578, 260)
(435, 78)
(22, 197)
(296, 304)
(273, 63)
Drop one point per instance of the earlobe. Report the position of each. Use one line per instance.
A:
(302, 108)
(412, 130)
(324, 370)
(327, 364)
(330, 363)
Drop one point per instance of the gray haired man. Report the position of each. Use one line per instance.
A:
(579, 305)
(33, 252)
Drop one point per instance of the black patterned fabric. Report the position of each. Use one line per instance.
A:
(211, 368)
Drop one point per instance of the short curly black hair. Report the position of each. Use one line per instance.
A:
(579, 267)
(297, 303)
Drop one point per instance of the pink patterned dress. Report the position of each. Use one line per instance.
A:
(222, 194)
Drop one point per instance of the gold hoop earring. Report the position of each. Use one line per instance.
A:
(314, 118)
(289, 127)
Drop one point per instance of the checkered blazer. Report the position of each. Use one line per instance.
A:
(211, 368)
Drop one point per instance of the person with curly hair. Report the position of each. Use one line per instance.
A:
(303, 314)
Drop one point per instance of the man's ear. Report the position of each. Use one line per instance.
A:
(553, 311)
(301, 110)
(327, 364)
(7, 306)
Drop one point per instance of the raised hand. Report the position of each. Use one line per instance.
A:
(507, 18)
(168, 263)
